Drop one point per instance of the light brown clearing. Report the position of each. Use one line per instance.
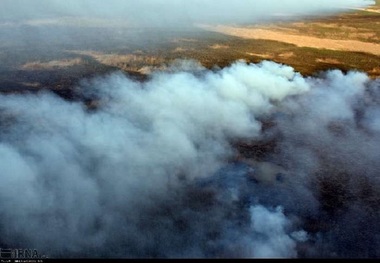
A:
(286, 55)
(129, 62)
(54, 64)
(218, 46)
(188, 40)
(371, 10)
(260, 55)
(375, 70)
(296, 39)
(179, 49)
(31, 84)
(328, 60)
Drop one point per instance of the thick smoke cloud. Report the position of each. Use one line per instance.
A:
(150, 169)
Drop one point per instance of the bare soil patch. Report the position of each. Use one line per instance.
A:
(328, 61)
(54, 64)
(296, 39)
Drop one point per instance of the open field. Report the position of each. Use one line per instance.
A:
(299, 39)
(337, 40)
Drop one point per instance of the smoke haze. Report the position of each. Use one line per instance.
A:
(168, 13)
(150, 170)
(38, 26)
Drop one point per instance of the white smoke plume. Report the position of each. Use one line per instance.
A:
(147, 169)
(271, 240)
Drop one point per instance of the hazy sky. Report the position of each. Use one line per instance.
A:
(167, 12)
